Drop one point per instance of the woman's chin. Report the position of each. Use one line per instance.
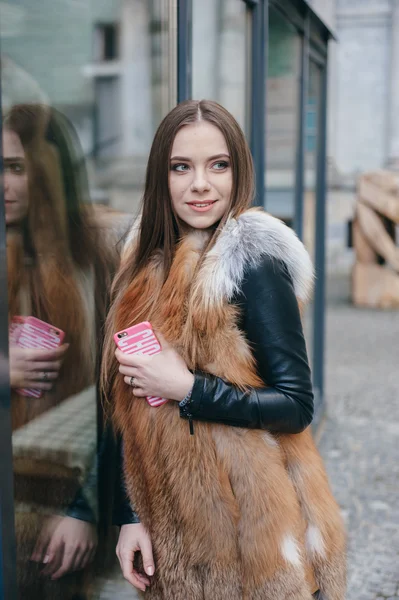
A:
(201, 221)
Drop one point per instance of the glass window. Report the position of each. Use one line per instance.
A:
(84, 86)
(311, 151)
(221, 55)
(282, 115)
(312, 132)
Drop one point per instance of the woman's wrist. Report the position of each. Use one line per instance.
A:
(187, 386)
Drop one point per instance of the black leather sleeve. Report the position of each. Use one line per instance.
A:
(272, 324)
(81, 509)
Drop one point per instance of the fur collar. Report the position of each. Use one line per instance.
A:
(243, 243)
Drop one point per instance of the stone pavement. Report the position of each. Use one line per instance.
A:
(359, 442)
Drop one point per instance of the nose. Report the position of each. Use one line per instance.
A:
(200, 183)
(6, 180)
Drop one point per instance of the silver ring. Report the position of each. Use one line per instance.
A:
(45, 376)
(132, 382)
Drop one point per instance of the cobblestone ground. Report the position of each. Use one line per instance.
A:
(360, 443)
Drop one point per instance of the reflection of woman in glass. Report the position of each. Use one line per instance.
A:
(59, 270)
(241, 508)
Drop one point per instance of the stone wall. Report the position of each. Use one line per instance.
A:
(364, 90)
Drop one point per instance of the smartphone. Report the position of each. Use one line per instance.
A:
(14, 329)
(140, 339)
(30, 332)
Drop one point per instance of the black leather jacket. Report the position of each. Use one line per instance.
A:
(271, 322)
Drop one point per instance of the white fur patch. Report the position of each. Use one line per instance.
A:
(244, 242)
(270, 440)
(314, 541)
(290, 551)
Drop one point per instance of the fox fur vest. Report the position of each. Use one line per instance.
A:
(233, 513)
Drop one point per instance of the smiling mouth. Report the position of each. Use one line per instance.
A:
(204, 204)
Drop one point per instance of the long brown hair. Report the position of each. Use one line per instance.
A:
(159, 228)
(51, 252)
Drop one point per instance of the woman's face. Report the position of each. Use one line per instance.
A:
(200, 177)
(15, 178)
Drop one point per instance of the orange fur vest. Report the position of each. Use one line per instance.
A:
(233, 513)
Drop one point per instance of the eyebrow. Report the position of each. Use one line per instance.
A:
(13, 158)
(184, 158)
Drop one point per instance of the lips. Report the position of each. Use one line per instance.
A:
(202, 206)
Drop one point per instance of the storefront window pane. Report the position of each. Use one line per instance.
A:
(282, 116)
(221, 55)
(311, 150)
(84, 86)
(312, 132)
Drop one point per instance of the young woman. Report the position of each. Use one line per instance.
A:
(240, 509)
(59, 270)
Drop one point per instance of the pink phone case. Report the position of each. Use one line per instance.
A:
(30, 332)
(140, 339)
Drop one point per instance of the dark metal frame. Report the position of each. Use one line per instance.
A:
(184, 49)
(8, 580)
(319, 297)
(258, 93)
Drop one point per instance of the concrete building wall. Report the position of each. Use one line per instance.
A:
(363, 75)
(364, 91)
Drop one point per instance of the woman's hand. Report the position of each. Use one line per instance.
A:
(165, 374)
(134, 538)
(65, 544)
(35, 368)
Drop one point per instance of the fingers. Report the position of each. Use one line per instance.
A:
(130, 371)
(41, 355)
(47, 366)
(136, 389)
(131, 575)
(40, 548)
(92, 555)
(131, 360)
(84, 556)
(43, 376)
(53, 558)
(65, 565)
(81, 559)
(147, 556)
(137, 580)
